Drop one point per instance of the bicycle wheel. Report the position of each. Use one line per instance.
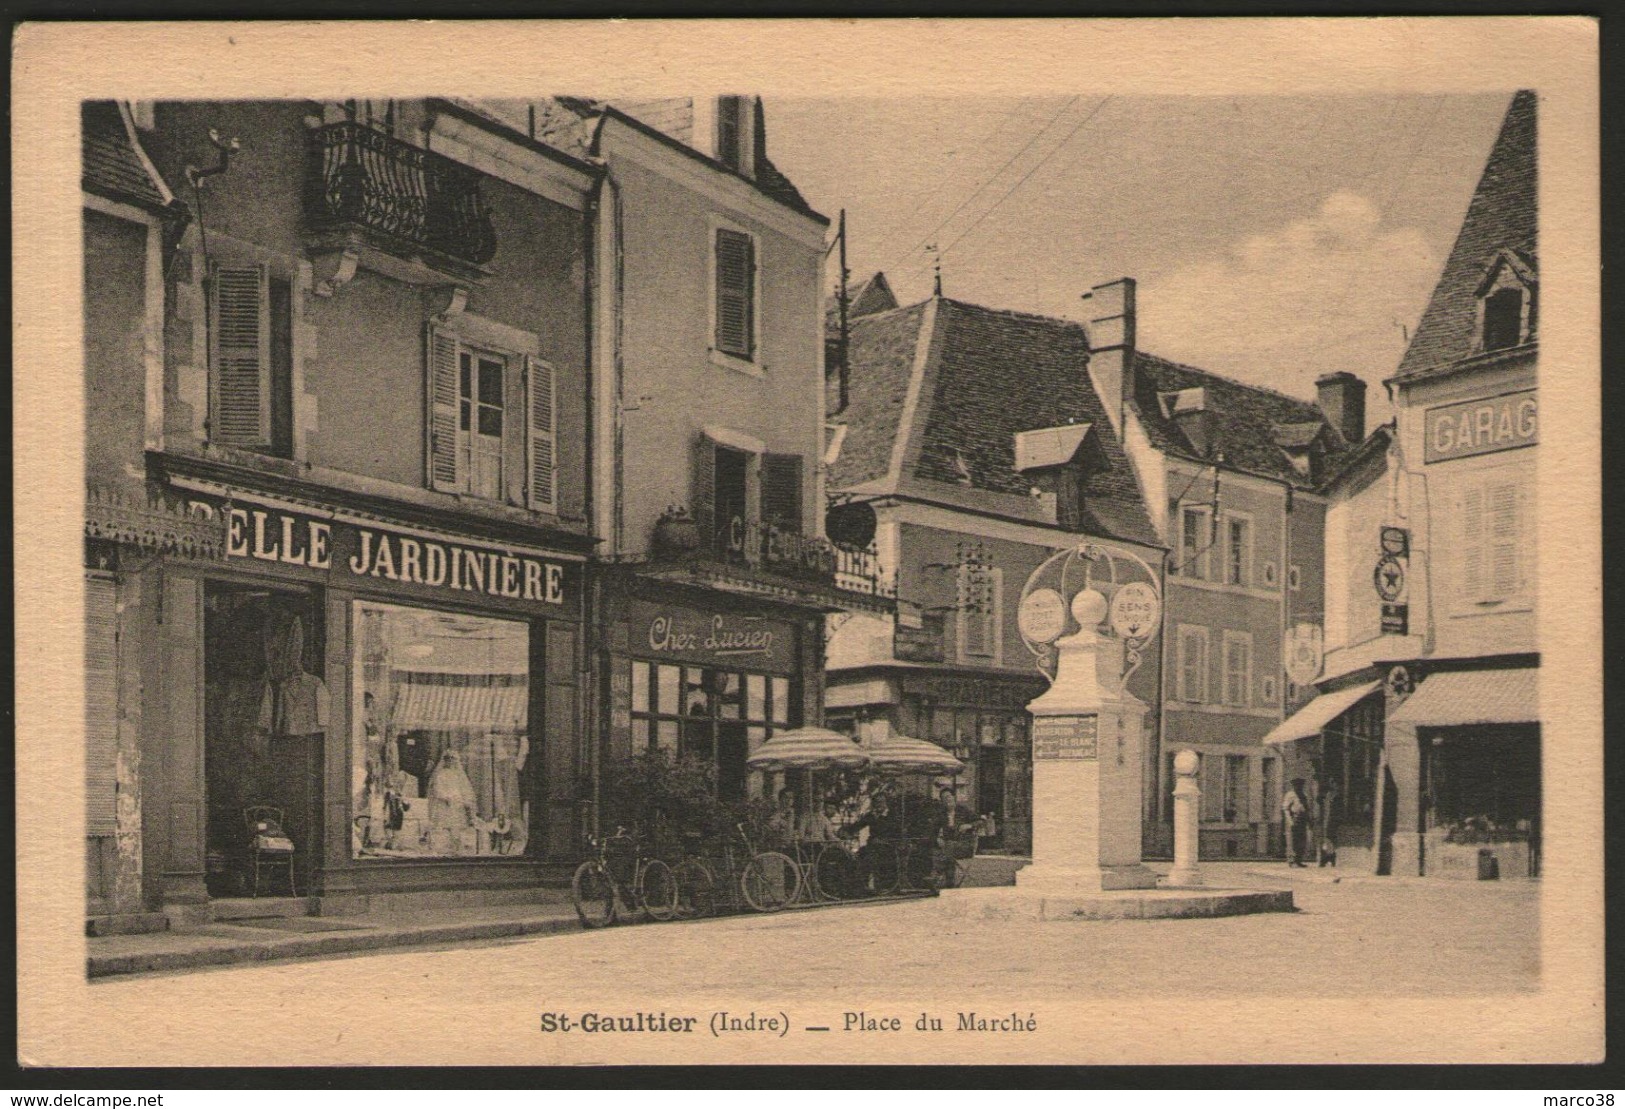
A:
(696, 889)
(835, 874)
(770, 882)
(594, 894)
(657, 890)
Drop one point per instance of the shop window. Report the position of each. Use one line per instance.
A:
(1238, 668)
(441, 752)
(250, 359)
(708, 714)
(492, 422)
(1192, 663)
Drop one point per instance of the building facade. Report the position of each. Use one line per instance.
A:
(1229, 474)
(338, 510)
(1426, 734)
(972, 445)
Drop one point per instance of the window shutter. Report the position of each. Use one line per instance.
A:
(704, 492)
(781, 491)
(544, 468)
(441, 390)
(240, 337)
(736, 279)
(101, 706)
(1472, 543)
(1503, 552)
(1212, 778)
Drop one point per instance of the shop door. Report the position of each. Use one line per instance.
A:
(990, 790)
(263, 697)
(732, 748)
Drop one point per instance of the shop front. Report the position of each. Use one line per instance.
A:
(400, 702)
(981, 720)
(707, 676)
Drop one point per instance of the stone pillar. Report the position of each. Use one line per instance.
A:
(1405, 767)
(1187, 811)
(1087, 734)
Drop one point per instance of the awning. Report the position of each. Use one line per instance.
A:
(1309, 720)
(443, 706)
(1472, 697)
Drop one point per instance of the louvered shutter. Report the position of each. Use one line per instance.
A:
(101, 706)
(1473, 577)
(781, 491)
(703, 493)
(544, 470)
(441, 359)
(240, 337)
(736, 269)
(1503, 540)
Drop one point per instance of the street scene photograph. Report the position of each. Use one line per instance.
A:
(736, 575)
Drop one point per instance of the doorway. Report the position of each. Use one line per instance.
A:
(263, 650)
(990, 791)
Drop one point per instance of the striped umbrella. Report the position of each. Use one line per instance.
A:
(901, 754)
(808, 749)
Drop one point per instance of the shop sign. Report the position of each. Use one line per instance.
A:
(1396, 542)
(1481, 426)
(972, 692)
(1303, 653)
(335, 547)
(679, 633)
(1065, 737)
(1389, 578)
(1396, 618)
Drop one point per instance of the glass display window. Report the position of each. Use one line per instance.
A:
(440, 739)
(710, 714)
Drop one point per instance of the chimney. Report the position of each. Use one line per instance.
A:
(1111, 345)
(738, 137)
(1341, 397)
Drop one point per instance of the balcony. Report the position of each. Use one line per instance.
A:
(365, 189)
(750, 556)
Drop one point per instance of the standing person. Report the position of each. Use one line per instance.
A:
(1293, 812)
(1326, 826)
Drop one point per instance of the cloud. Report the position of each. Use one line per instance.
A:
(1315, 296)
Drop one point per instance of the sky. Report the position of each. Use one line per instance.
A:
(1274, 239)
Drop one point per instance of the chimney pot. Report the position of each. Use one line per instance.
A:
(1341, 397)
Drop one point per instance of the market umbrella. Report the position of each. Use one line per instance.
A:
(901, 754)
(809, 749)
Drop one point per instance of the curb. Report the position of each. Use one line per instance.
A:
(258, 951)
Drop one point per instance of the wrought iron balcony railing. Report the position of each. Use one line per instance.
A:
(359, 177)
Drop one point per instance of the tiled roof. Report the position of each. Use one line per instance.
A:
(874, 295)
(1350, 461)
(111, 166)
(1246, 422)
(989, 375)
(1502, 215)
(882, 361)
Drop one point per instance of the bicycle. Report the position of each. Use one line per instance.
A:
(770, 880)
(622, 881)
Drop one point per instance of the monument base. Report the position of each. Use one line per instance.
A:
(1063, 880)
(1160, 904)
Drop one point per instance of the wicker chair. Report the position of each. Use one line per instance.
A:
(269, 848)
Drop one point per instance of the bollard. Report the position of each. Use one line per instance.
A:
(1187, 799)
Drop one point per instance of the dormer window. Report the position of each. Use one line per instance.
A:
(1060, 461)
(1506, 303)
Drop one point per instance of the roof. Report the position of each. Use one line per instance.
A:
(987, 376)
(874, 295)
(1375, 446)
(1049, 446)
(112, 166)
(1246, 422)
(1457, 697)
(1501, 216)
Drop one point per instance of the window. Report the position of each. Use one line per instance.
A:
(1192, 664)
(980, 604)
(1233, 798)
(1503, 319)
(1492, 540)
(734, 277)
(1238, 551)
(1294, 578)
(1238, 668)
(741, 497)
(711, 715)
(1195, 537)
(250, 359)
(1270, 794)
(1266, 688)
(1267, 572)
(441, 756)
(491, 419)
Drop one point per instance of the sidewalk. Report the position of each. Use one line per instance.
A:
(250, 941)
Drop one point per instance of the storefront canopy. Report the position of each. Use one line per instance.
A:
(808, 749)
(1309, 720)
(1472, 697)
